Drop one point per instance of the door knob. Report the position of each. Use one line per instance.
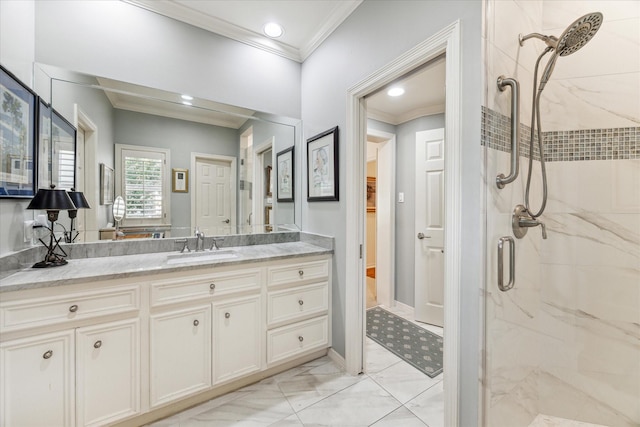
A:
(227, 221)
(422, 236)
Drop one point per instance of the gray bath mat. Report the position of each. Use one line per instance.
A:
(417, 346)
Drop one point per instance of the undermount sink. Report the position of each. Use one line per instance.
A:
(192, 257)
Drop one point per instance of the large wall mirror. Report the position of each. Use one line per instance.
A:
(178, 161)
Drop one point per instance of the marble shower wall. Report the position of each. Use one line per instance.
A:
(565, 340)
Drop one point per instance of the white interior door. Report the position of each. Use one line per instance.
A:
(213, 197)
(429, 247)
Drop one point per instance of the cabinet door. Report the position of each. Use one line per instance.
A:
(107, 372)
(237, 338)
(180, 353)
(37, 381)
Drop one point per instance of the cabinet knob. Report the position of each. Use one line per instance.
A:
(227, 315)
(47, 354)
(97, 344)
(196, 322)
(212, 286)
(73, 308)
(300, 302)
(300, 273)
(300, 338)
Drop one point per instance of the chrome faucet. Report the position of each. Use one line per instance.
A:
(214, 243)
(199, 240)
(522, 220)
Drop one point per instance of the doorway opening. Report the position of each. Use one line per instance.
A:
(87, 171)
(262, 218)
(446, 42)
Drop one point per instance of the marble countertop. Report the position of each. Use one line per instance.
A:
(119, 267)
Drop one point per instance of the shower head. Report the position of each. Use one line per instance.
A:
(572, 39)
(579, 33)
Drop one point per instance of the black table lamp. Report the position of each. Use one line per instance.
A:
(80, 202)
(52, 201)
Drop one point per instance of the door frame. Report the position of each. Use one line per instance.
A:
(447, 41)
(386, 252)
(259, 186)
(192, 183)
(91, 179)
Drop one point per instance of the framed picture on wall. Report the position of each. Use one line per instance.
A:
(180, 180)
(17, 137)
(322, 166)
(285, 165)
(106, 185)
(371, 194)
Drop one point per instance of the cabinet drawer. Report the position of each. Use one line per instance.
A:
(297, 303)
(169, 291)
(289, 341)
(298, 272)
(30, 313)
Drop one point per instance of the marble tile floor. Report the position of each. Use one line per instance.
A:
(319, 393)
(549, 421)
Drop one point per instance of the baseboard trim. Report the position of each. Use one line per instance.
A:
(402, 305)
(336, 358)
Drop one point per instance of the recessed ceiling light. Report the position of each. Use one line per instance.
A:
(395, 91)
(187, 97)
(186, 103)
(273, 30)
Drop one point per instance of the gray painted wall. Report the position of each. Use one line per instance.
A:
(355, 50)
(118, 40)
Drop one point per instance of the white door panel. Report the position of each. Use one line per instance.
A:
(429, 228)
(213, 197)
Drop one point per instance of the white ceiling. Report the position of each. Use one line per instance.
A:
(306, 24)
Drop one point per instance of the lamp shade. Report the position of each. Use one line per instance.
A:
(78, 199)
(51, 199)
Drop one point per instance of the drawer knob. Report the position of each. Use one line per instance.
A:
(212, 286)
(301, 273)
(227, 315)
(97, 344)
(73, 308)
(196, 322)
(300, 338)
(300, 302)
(47, 354)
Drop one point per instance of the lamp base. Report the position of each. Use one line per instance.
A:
(45, 264)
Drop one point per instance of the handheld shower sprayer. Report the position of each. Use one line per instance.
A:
(572, 39)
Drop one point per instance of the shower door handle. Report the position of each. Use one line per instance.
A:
(512, 263)
(502, 180)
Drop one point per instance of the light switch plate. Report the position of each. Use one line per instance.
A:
(400, 197)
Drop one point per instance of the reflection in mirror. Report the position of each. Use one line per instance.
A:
(118, 214)
(225, 150)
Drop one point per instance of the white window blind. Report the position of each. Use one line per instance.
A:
(142, 180)
(66, 169)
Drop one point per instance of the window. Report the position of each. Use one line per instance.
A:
(142, 177)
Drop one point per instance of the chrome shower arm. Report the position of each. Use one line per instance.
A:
(551, 41)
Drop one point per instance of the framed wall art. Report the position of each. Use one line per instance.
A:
(371, 194)
(18, 150)
(180, 180)
(285, 174)
(322, 166)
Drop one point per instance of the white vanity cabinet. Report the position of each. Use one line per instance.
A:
(128, 351)
(38, 381)
(68, 357)
(237, 338)
(180, 353)
(297, 308)
(107, 372)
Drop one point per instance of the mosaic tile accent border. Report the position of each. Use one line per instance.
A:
(571, 145)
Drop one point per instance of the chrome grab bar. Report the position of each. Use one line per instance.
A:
(501, 180)
(512, 263)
